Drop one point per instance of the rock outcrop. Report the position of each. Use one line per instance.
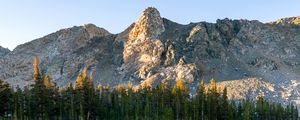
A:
(252, 88)
(143, 49)
(259, 57)
(143, 53)
(3, 51)
(289, 20)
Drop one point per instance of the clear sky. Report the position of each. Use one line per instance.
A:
(24, 20)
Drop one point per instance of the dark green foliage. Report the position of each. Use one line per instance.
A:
(124, 103)
(43, 100)
(5, 99)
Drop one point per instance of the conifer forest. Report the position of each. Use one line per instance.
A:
(83, 100)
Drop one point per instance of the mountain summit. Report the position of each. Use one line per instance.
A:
(149, 25)
(261, 58)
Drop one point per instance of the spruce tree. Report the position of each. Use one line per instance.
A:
(224, 105)
(200, 100)
(38, 92)
(85, 92)
(5, 99)
(18, 104)
(213, 99)
(180, 92)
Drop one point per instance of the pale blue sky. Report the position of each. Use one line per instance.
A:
(24, 20)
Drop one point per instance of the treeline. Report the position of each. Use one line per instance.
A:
(43, 100)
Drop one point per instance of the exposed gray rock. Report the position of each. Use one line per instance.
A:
(252, 88)
(143, 53)
(154, 50)
(3, 51)
(63, 54)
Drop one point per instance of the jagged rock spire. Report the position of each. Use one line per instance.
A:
(143, 49)
(149, 25)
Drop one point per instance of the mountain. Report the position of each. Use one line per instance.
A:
(251, 58)
(62, 54)
(3, 51)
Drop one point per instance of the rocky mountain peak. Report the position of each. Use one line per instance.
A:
(288, 20)
(87, 30)
(149, 25)
(144, 54)
(64, 40)
(143, 50)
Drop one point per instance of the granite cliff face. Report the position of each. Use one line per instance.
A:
(249, 57)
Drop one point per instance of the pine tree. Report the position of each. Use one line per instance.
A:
(36, 72)
(43, 94)
(91, 81)
(295, 113)
(79, 81)
(180, 86)
(247, 110)
(28, 113)
(259, 108)
(200, 100)
(38, 92)
(231, 115)
(84, 87)
(48, 82)
(91, 97)
(180, 92)
(225, 104)
(80, 95)
(52, 97)
(18, 104)
(44, 100)
(212, 99)
(5, 101)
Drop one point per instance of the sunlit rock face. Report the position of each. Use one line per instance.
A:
(149, 26)
(288, 21)
(144, 50)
